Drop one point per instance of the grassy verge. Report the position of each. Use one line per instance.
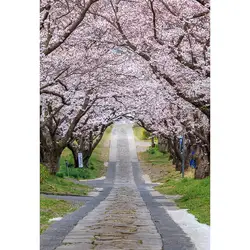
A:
(51, 208)
(100, 154)
(140, 134)
(195, 196)
(155, 157)
(96, 163)
(195, 193)
(155, 164)
(55, 185)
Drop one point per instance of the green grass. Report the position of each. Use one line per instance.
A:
(93, 171)
(141, 134)
(52, 208)
(96, 163)
(195, 195)
(157, 164)
(155, 157)
(54, 185)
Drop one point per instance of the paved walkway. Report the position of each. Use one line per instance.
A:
(127, 214)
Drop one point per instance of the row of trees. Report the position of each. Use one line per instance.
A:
(105, 59)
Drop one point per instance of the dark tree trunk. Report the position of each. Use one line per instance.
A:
(152, 142)
(178, 165)
(86, 161)
(50, 158)
(75, 155)
(202, 164)
(187, 155)
(162, 145)
(203, 167)
(74, 151)
(170, 149)
(177, 156)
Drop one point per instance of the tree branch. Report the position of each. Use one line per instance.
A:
(71, 29)
(51, 92)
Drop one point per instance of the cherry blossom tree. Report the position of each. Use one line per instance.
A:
(59, 19)
(172, 38)
(145, 60)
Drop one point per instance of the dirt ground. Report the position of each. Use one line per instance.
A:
(155, 172)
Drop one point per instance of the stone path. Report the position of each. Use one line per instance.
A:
(127, 214)
(122, 220)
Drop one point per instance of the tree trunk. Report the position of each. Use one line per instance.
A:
(50, 158)
(178, 155)
(178, 165)
(86, 160)
(152, 142)
(170, 150)
(162, 145)
(187, 155)
(202, 164)
(75, 154)
(202, 168)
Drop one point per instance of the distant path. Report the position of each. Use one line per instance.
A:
(127, 214)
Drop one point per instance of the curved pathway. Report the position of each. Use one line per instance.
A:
(127, 214)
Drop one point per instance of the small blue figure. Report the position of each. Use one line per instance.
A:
(193, 161)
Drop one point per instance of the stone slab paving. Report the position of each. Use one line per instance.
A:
(56, 233)
(122, 220)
